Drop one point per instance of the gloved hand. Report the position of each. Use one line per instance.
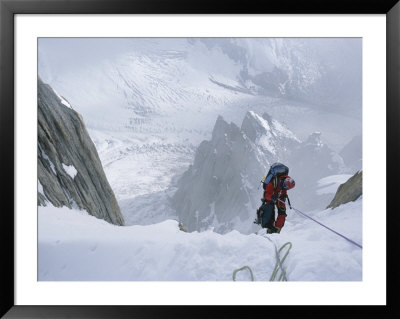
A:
(274, 198)
(281, 205)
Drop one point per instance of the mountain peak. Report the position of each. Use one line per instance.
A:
(254, 125)
(267, 117)
(222, 127)
(267, 133)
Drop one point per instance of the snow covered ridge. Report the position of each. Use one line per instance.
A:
(74, 246)
(268, 133)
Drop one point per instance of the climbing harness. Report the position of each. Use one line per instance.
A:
(278, 264)
(305, 215)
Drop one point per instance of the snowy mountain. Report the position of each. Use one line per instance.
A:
(138, 88)
(324, 72)
(184, 130)
(216, 191)
(128, 82)
(160, 85)
(220, 189)
(273, 139)
(149, 103)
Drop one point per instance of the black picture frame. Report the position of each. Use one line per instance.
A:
(8, 10)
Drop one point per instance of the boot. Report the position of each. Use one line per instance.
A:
(273, 230)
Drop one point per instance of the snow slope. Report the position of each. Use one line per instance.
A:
(74, 246)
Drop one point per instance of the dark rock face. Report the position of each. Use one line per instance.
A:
(69, 169)
(348, 192)
(220, 189)
(211, 192)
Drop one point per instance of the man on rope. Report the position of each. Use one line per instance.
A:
(275, 185)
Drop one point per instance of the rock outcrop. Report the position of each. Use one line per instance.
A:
(211, 192)
(348, 191)
(220, 189)
(270, 136)
(69, 169)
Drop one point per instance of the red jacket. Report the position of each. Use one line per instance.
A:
(273, 188)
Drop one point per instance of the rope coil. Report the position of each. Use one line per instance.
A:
(278, 264)
(240, 269)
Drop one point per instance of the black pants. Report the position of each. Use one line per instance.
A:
(268, 215)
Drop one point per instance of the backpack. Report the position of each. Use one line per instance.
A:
(276, 169)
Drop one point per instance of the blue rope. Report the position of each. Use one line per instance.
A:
(297, 211)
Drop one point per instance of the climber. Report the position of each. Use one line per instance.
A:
(275, 187)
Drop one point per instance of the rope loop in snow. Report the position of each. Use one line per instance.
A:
(240, 269)
(278, 265)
